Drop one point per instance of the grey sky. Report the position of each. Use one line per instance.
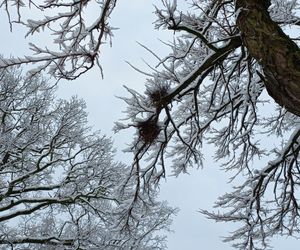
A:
(190, 192)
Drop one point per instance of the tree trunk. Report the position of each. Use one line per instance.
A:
(278, 55)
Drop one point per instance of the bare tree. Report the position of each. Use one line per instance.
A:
(59, 185)
(227, 61)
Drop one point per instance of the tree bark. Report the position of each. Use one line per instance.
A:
(278, 55)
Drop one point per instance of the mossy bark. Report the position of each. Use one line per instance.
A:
(278, 55)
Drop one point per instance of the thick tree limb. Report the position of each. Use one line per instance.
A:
(215, 57)
(278, 55)
(46, 240)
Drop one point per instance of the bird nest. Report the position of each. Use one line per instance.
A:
(156, 96)
(148, 130)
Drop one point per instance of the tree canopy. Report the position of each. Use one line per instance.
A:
(229, 61)
(59, 185)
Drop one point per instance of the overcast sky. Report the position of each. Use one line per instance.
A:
(189, 192)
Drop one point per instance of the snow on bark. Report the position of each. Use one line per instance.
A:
(217, 95)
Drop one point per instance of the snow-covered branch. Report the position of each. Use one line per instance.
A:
(77, 40)
(58, 181)
(210, 90)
